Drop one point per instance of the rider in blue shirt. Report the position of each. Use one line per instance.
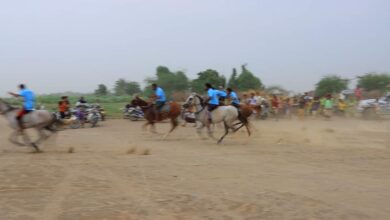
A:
(28, 103)
(212, 97)
(222, 95)
(160, 100)
(233, 97)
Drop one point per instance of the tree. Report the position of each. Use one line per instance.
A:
(101, 90)
(246, 80)
(132, 88)
(374, 81)
(232, 83)
(120, 87)
(208, 76)
(170, 81)
(331, 84)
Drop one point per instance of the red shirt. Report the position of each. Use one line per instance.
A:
(275, 103)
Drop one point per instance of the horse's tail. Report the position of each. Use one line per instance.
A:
(244, 119)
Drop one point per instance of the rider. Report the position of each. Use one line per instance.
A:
(28, 103)
(212, 99)
(160, 100)
(222, 95)
(232, 95)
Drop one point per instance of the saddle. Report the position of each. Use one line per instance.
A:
(163, 111)
(166, 108)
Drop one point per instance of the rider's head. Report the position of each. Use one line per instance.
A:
(64, 97)
(82, 98)
(22, 86)
(208, 86)
(154, 86)
(229, 90)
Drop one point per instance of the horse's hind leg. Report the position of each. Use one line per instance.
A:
(226, 133)
(14, 139)
(174, 124)
(35, 146)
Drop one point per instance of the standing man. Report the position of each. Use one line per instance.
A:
(275, 105)
(28, 103)
(328, 105)
(160, 100)
(63, 106)
(358, 93)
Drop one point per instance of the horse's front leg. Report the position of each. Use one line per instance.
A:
(210, 131)
(145, 126)
(13, 138)
(28, 141)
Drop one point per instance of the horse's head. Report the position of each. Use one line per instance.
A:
(139, 102)
(193, 99)
(5, 107)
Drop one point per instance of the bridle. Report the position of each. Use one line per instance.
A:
(200, 104)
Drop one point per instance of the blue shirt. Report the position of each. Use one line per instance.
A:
(221, 93)
(233, 96)
(160, 95)
(29, 99)
(213, 95)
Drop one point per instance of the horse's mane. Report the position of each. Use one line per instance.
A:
(200, 99)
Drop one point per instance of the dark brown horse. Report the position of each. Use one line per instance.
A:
(170, 111)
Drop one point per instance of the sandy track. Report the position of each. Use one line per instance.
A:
(287, 170)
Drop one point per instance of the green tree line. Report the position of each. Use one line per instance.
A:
(243, 80)
(369, 82)
(177, 81)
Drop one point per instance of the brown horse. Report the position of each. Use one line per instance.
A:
(170, 111)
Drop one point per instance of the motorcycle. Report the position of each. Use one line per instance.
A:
(133, 113)
(84, 115)
(101, 112)
(70, 120)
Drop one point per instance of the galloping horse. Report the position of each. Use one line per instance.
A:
(38, 119)
(170, 111)
(226, 114)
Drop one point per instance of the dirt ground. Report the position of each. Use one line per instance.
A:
(287, 170)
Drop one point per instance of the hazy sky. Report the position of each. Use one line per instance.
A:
(73, 45)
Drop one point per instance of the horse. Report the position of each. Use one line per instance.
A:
(171, 110)
(226, 114)
(39, 119)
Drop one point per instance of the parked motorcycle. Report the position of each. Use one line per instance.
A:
(85, 115)
(133, 113)
(101, 111)
(70, 120)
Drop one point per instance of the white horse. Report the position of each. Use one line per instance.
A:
(38, 119)
(226, 114)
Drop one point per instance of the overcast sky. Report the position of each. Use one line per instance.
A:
(73, 45)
